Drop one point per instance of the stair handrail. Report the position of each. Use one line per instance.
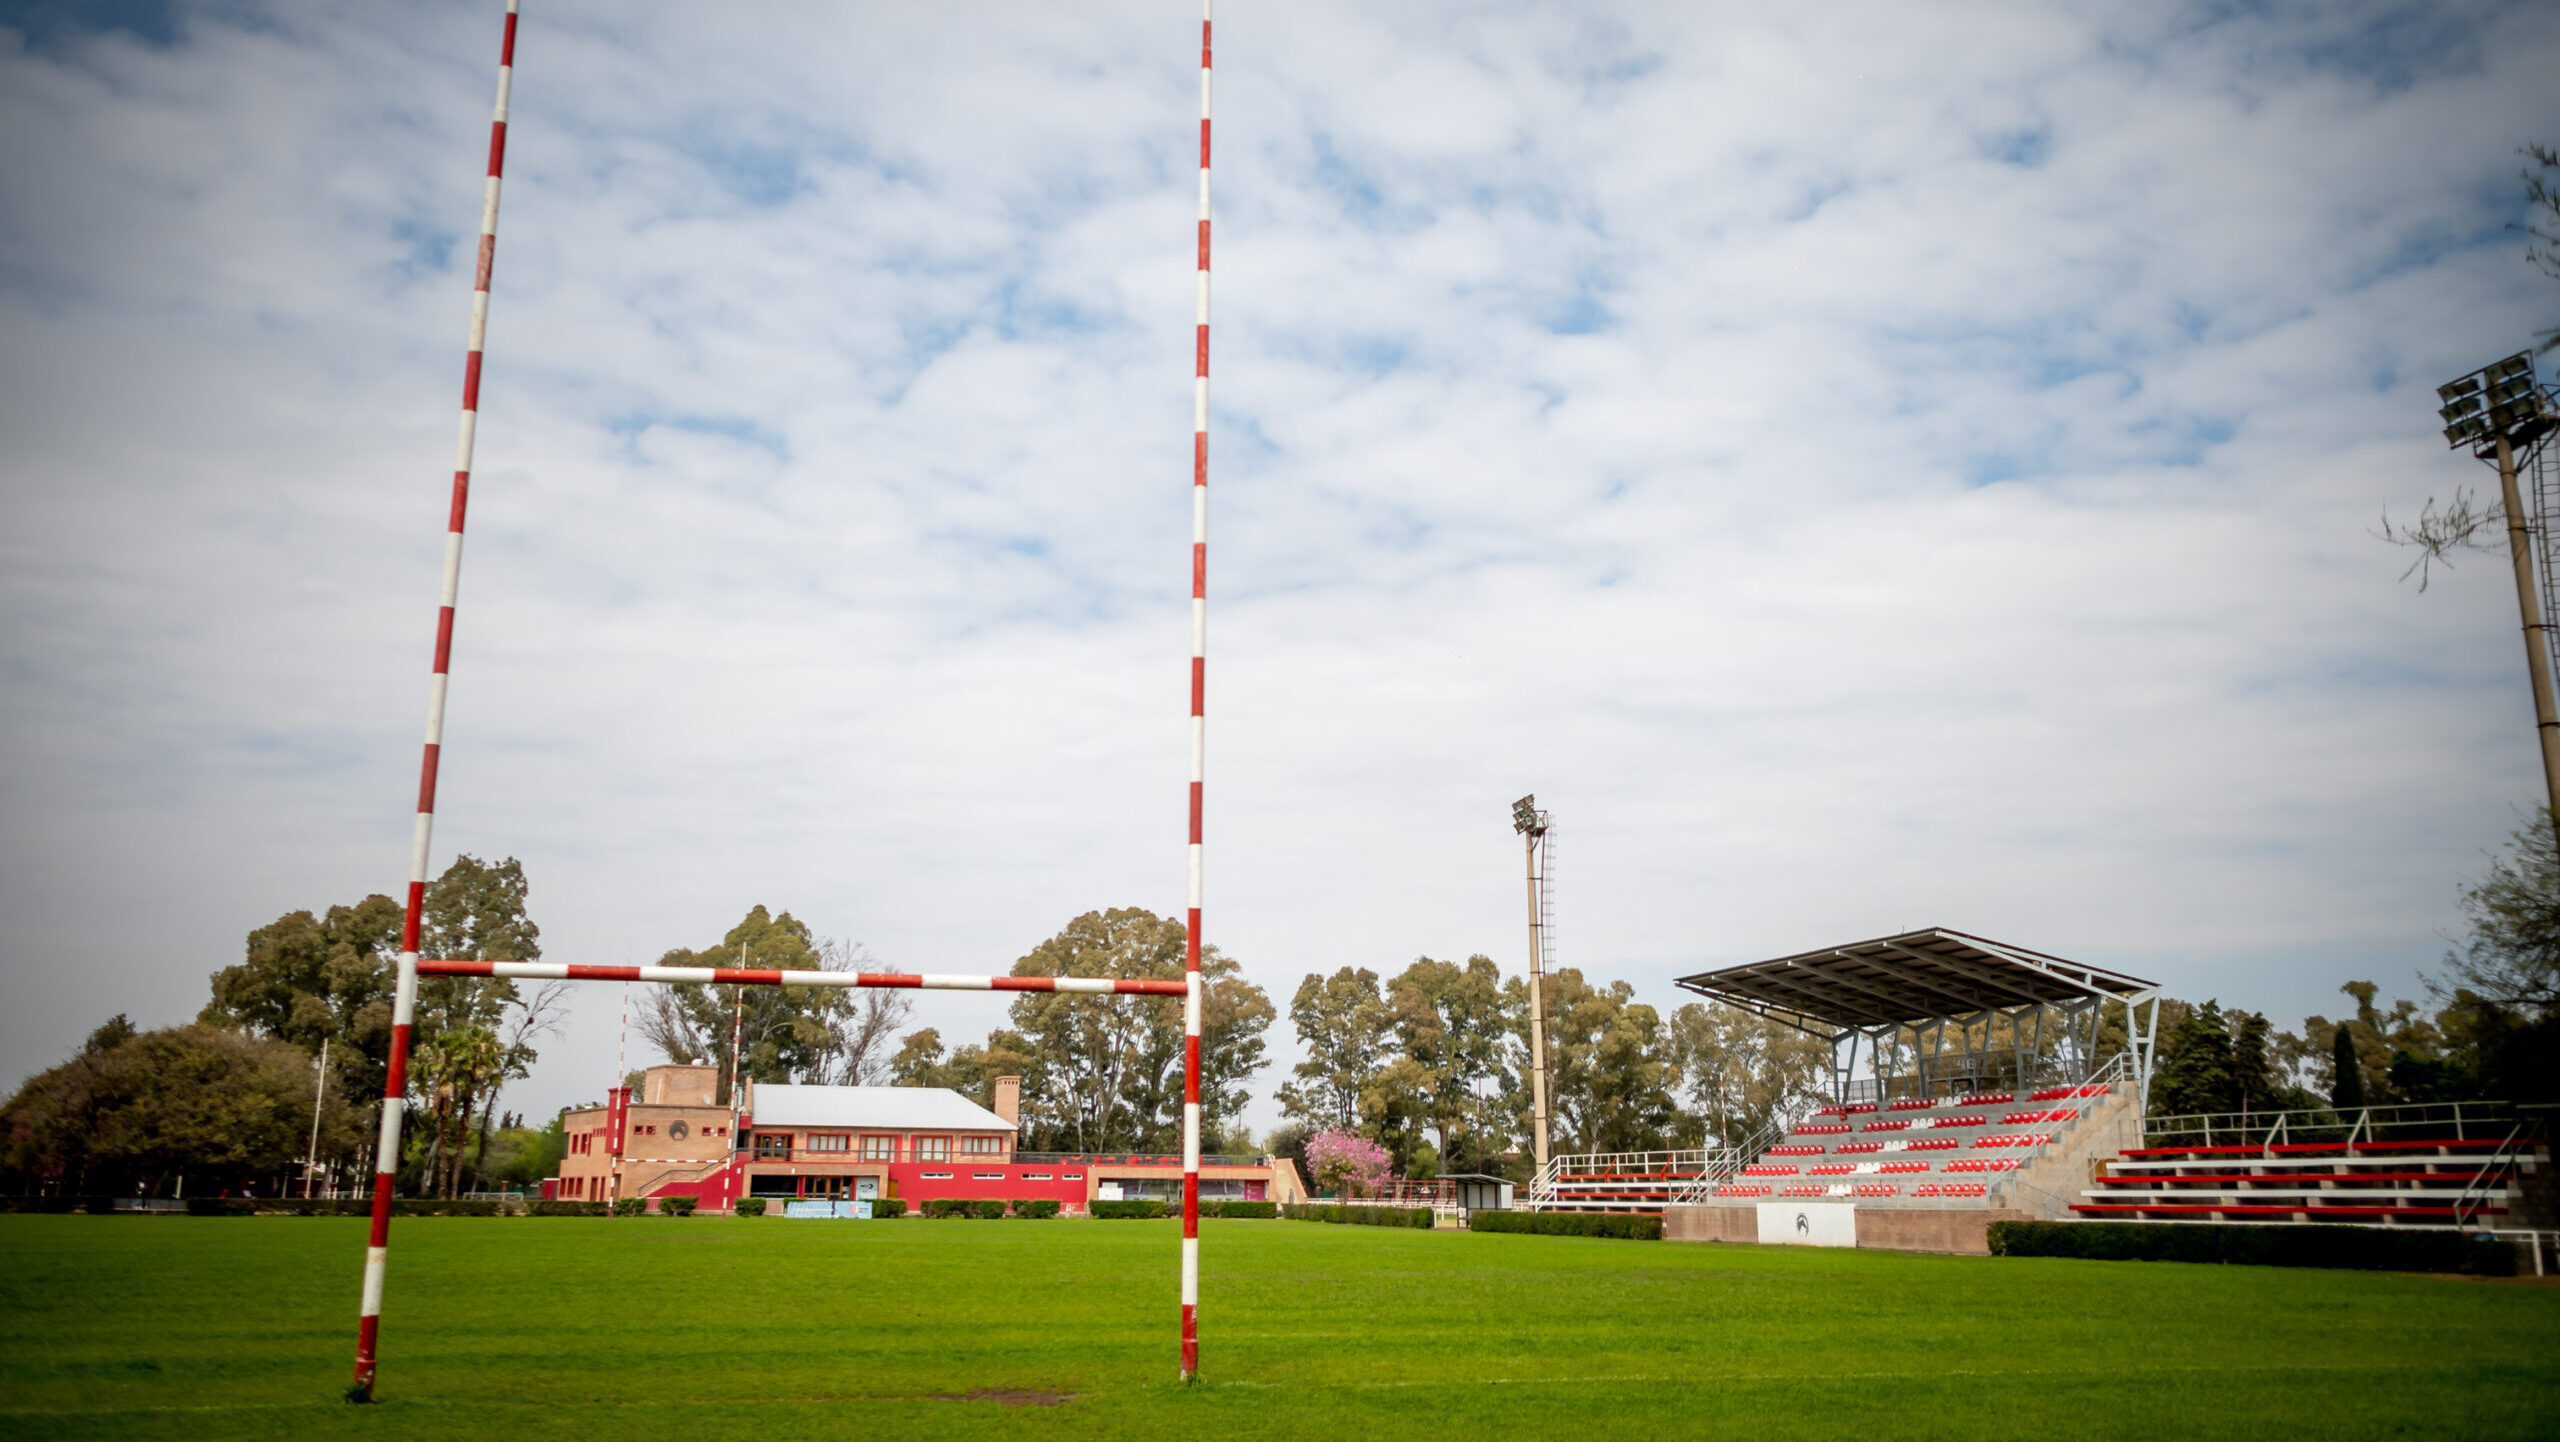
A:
(1730, 1164)
(2500, 1164)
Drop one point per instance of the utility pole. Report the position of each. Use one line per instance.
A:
(1532, 823)
(2501, 414)
(311, 1158)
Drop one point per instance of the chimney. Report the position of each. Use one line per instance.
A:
(1009, 1098)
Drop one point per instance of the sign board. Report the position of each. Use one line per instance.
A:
(1808, 1224)
(862, 1210)
(1107, 1192)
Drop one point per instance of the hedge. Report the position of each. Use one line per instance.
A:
(1137, 1210)
(677, 1206)
(1568, 1224)
(1240, 1209)
(566, 1209)
(335, 1207)
(2387, 1249)
(1420, 1218)
(884, 1208)
(630, 1206)
(1035, 1206)
(750, 1206)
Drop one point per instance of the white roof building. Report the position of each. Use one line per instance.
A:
(902, 1109)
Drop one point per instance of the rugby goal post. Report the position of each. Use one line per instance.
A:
(412, 966)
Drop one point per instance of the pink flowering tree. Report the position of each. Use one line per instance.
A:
(1346, 1163)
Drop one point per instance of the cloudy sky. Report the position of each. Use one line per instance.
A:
(1862, 466)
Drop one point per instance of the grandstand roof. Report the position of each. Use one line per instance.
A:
(1915, 977)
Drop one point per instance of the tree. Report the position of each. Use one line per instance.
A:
(816, 1035)
(1345, 1028)
(1107, 1071)
(2252, 1066)
(2542, 218)
(1742, 1072)
(1454, 1024)
(971, 1070)
(2196, 1073)
(306, 979)
(1347, 1163)
(1606, 1069)
(2346, 1092)
(2512, 955)
(135, 1109)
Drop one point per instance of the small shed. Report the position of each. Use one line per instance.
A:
(1478, 1192)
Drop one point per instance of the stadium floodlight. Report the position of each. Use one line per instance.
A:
(1531, 823)
(2501, 414)
(2497, 403)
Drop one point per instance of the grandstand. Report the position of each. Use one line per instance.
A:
(1996, 1076)
(2003, 1083)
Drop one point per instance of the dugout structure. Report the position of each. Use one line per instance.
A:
(1941, 1013)
(412, 966)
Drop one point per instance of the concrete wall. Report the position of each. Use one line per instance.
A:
(1912, 1229)
(2056, 1176)
(1897, 1229)
(1711, 1224)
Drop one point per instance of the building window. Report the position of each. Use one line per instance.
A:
(986, 1176)
(935, 1176)
(773, 1144)
(677, 1130)
(828, 1141)
(1071, 1176)
(982, 1146)
(879, 1149)
(1035, 1176)
(933, 1149)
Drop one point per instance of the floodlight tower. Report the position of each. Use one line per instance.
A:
(2502, 415)
(1532, 824)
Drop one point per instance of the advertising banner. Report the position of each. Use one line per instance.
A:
(1808, 1224)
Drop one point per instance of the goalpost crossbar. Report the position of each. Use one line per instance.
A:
(759, 976)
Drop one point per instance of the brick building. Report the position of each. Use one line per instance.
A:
(914, 1144)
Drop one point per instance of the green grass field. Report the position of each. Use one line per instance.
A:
(213, 1328)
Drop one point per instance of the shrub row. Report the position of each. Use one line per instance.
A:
(1568, 1224)
(1358, 1216)
(751, 1206)
(566, 1209)
(1128, 1210)
(336, 1207)
(2389, 1249)
(1240, 1209)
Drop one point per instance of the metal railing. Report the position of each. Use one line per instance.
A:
(2465, 1121)
(1137, 1159)
(2500, 1169)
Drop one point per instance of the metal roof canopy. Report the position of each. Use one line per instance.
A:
(1905, 980)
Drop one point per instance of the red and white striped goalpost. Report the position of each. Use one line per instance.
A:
(404, 1004)
(412, 966)
(1199, 750)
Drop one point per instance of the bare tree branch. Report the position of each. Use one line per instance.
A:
(2463, 524)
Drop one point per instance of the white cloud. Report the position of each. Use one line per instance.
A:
(1872, 469)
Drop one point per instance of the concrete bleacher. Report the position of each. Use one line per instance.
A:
(1965, 1151)
(1989, 1149)
(2413, 1181)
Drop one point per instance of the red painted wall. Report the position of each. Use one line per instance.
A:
(908, 1183)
